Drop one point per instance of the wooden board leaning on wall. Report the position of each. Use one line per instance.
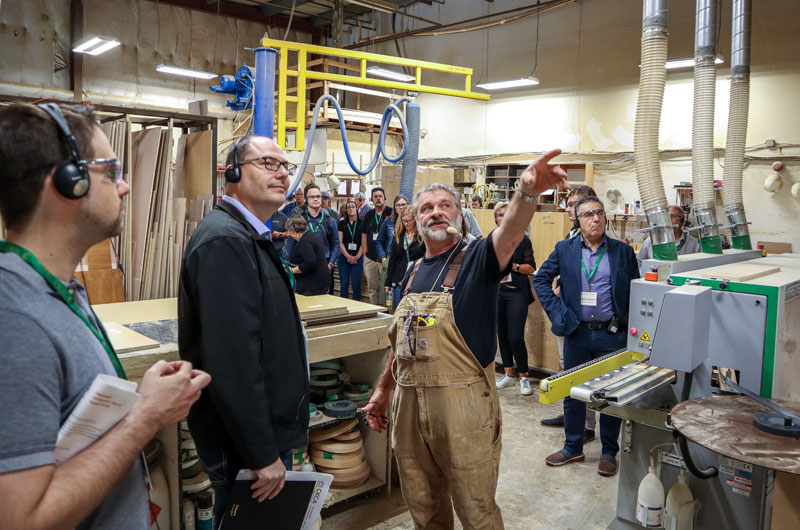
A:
(166, 202)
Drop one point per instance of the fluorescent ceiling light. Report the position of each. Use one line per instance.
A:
(511, 83)
(390, 74)
(377, 5)
(188, 72)
(95, 45)
(677, 64)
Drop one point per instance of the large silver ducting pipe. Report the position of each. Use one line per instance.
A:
(648, 118)
(705, 81)
(737, 125)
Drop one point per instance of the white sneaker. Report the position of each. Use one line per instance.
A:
(505, 381)
(525, 386)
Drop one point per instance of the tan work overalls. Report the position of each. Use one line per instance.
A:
(446, 415)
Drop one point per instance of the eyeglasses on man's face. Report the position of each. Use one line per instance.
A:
(589, 214)
(112, 168)
(271, 164)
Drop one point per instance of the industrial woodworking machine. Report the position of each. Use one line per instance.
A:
(706, 321)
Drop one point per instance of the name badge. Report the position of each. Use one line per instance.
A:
(374, 237)
(351, 246)
(588, 299)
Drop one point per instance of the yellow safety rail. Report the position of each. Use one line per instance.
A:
(303, 74)
(559, 385)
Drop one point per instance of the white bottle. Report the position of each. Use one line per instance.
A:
(650, 501)
(680, 508)
(188, 515)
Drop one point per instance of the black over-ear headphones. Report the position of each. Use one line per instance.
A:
(233, 173)
(71, 177)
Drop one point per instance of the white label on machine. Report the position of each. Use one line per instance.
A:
(672, 460)
(649, 517)
(588, 299)
(735, 464)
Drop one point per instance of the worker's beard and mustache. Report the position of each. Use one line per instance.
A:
(440, 233)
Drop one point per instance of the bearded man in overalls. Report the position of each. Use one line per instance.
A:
(445, 413)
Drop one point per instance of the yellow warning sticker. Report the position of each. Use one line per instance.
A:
(645, 337)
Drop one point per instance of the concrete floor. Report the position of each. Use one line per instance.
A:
(531, 494)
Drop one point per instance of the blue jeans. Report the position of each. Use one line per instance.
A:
(581, 346)
(397, 292)
(222, 468)
(348, 272)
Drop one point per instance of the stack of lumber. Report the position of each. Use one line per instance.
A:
(339, 450)
(326, 308)
(164, 207)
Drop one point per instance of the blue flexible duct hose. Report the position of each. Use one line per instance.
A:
(409, 173)
(385, 120)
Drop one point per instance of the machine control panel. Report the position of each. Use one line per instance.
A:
(646, 298)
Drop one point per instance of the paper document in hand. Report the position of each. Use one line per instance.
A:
(296, 507)
(107, 401)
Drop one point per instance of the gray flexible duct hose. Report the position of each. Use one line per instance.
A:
(705, 80)
(409, 174)
(648, 117)
(737, 125)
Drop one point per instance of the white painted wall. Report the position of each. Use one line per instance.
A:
(588, 66)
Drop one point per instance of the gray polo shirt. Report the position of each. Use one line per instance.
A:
(49, 357)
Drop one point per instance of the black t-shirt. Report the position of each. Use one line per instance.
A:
(523, 254)
(474, 293)
(355, 237)
(279, 225)
(372, 223)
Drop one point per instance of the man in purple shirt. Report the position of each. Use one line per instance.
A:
(591, 315)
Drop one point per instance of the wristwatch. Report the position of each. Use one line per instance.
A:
(524, 196)
(516, 267)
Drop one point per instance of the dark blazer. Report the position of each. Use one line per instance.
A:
(309, 255)
(238, 320)
(564, 312)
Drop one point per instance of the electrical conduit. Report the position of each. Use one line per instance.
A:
(705, 79)
(648, 116)
(737, 125)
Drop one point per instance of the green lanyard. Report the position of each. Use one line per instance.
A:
(352, 230)
(315, 227)
(682, 242)
(408, 256)
(288, 270)
(378, 221)
(589, 275)
(68, 299)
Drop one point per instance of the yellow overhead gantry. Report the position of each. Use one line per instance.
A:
(302, 73)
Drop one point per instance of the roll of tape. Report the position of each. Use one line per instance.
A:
(317, 372)
(343, 408)
(347, 436)
(335, 460)
(332, 446)
(330, 431)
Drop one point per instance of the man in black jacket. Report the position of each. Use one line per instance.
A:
(238, 320)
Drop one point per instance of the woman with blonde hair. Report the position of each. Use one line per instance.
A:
(406, 247)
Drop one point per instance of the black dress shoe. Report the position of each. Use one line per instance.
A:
(588, 436)
(558, 421)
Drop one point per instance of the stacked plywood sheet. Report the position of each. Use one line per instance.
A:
(164, 207)
(325, 308)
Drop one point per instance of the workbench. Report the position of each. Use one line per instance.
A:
(360, 345)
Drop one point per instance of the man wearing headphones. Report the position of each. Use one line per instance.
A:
(238, 320)
(685, 243)
(61, 191)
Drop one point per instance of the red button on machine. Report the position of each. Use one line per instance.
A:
(633, 331)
